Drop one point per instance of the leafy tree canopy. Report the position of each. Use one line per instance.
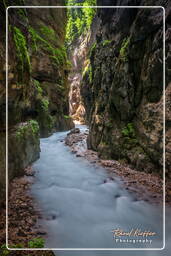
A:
(79, 19)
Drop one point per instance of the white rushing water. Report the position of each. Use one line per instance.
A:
(80, 209)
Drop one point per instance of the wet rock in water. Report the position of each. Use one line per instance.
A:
(79, 155)
(117, 196)
(74, 151)
(110, 179)
(51, 217)
(41, 232)
(73, 131)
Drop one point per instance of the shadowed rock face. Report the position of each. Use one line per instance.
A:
(125, 86)
(38, 70)
(37, 88)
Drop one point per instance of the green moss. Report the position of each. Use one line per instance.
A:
(57, 55)
(92, 49)
(17, 246)
(36, 243)
(37, 85)
(129, 137)
(34, 126)
(22, 13)
(106, 42)
(129, 130)
(4, 251)
(48, 33)
(109, 124)
(124, 48)
(22, 130)
(69, 63)
(67, 117)
(88, 70)
(45, 104)
(60, 88)
(22, 53)
(44, 118)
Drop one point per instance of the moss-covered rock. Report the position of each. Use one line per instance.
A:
(23, 149)
(37, 81)
(124, 97)
(23, 146)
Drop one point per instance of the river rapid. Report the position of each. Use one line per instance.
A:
(80, 209)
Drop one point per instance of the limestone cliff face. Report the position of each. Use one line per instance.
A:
(37, 88)
(78, 57)
(40, 71)
(123, 87)
(79, 38)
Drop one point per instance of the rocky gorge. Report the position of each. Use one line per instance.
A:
(102, 67)
(37, 82)
(122, 88)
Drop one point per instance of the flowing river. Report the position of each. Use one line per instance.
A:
(81, 210)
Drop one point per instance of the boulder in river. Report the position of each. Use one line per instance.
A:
(73, 131)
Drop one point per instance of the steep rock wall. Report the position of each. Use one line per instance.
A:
(79, 38)
(41, 63)
(123, 87)
(37, 88)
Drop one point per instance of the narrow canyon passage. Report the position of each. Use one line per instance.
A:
(80, 209)
(97, 74)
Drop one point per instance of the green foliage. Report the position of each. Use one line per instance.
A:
(22, 13)
(129, 135)
(67, 117)
(106, 42)
(45, 104)
(3, 250)
(57, 55)
(22, 130)
(34, 126)
(89, 12)
(79, 19)
(17, 246)
(109, 124)
(22, 52)
(88, 70)
(92, 49)
(124, 48)
(48, 32)
(128, 131)
(36, 243)
(68, 65)
(37, 85)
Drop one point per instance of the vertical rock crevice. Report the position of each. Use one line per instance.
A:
(79, 38)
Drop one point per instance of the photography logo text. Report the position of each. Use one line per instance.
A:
(133, 236)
